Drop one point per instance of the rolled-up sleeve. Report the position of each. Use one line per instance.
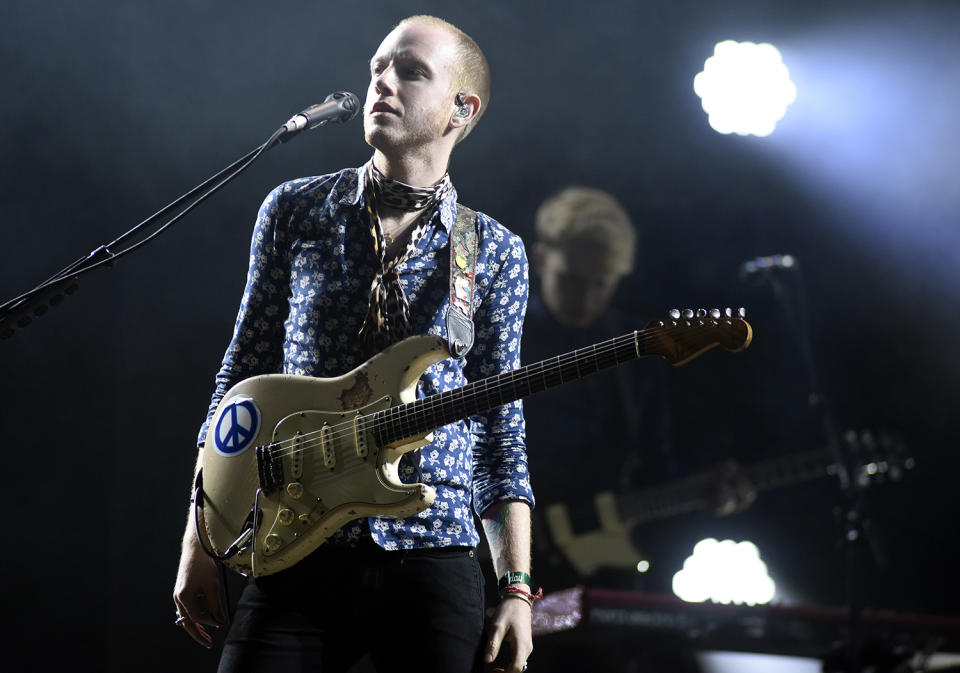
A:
(500, 456)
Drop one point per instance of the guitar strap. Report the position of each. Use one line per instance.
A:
(463, 263)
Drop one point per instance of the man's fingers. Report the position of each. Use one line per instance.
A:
(191, 620)
(520, 656)
(200, 609)
(207, 610)
(519, 661)
(496, 640)
(197, 632)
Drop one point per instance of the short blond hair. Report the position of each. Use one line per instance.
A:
(584, 216)
(471, 72)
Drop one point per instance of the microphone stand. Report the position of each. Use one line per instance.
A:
(20, 311)
(854, 516)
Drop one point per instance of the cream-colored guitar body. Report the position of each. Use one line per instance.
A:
(332, 469)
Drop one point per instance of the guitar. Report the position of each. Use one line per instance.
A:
(878, 458)
(288, 459)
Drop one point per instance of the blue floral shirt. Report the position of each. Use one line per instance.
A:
(311, 265)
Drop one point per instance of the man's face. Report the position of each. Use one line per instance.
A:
(409, 100)
(576, 283)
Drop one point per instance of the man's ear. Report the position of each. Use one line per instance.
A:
(466, 106)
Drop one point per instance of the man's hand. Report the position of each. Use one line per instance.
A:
(733, 491)
(511, 623)
(197, 591)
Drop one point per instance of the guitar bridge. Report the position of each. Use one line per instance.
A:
(270, 468)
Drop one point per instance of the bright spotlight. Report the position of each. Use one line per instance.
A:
(724, 572)
(744, 88)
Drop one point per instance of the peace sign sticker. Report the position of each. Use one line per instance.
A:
(237, 427)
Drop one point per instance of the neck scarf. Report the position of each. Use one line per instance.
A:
(388, 313)
(391, 193)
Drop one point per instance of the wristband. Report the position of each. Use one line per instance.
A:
(513, 577)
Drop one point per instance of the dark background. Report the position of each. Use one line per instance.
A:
(111, 110)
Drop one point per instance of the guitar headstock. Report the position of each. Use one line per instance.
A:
(683, 335)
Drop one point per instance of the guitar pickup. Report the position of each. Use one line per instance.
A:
(296, 458)
(327, 451)
(269, 468)
(360, 436)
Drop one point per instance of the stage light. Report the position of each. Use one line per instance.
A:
(744, 88)
(724, 572)
(749, 662)
(643, 566)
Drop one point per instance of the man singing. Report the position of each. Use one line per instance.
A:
(342, 266)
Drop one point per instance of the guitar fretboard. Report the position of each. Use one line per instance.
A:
(424, 415)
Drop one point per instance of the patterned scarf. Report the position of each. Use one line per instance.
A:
(388, 313)
(393, 194)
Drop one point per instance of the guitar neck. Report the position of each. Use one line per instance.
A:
(791, 469)
(679, 338)
(694, 493)
(429, 413)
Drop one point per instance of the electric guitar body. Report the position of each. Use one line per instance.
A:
(301, 452)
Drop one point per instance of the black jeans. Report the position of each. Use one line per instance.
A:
(418, 610)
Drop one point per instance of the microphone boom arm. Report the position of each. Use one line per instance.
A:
(20, 311)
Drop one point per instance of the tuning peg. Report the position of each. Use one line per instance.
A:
(675, 313)
(701, 313)
(742, 312)
(715, 313)
(688, 313)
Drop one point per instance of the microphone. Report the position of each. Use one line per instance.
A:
(339, 107)
(766, 264)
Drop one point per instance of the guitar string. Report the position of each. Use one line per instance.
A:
(431, 403)
(482, 388)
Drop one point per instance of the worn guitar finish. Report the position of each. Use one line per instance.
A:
(288, 460)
